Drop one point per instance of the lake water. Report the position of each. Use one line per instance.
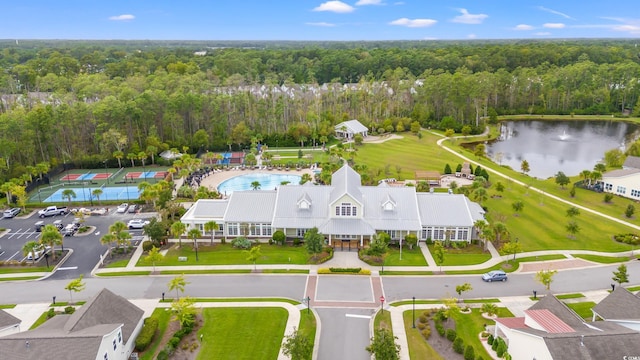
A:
(550, 146)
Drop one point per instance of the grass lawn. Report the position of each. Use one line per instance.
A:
(225, 254)
(406, 272)
(215, 300)
(242, 333)
(633, 288)
(418, 346)
(510, 266)
(409, 257)
(383, 321)
(504, 312)
(602, 259)
(7, 306)
(468, 326)
(469, 255)
(20, 278)
(308, 325)
(211, 271)
(23, 269)
(163, 317)
(470, 301)
(118, 263)
(124, 273)
(570, 296)
(583, 309)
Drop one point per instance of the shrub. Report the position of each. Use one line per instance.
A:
(174, 341)
(162, 355)
(426, 333)
(146, 334)
(458, 345)
(345, 270)
(51, 313)
(469, 353)
(69, 310)
(279, 237)
(440, 329)
(423, 319)
(241, 243)
(490, 339)
(297, 242)
(495, 344)
(631, 239)
(422, 326)
(502, 348)
(147, 245)
(451, 334)
(608, 197)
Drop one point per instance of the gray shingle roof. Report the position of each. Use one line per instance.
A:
(7, 320)
(631, 162)
(559, 309)
(76, 336)
(620, 173)
(438, 209)
(251, 206)
(620, 304)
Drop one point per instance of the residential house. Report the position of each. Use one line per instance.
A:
(348, 129)
(345, 212)
(621, 307)
(624, 182)
(9, 324)
(550, 330)
(104, 328)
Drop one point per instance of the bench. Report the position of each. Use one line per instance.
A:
(182, 258)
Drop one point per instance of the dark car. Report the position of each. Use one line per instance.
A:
(8, 214)
(495, 275)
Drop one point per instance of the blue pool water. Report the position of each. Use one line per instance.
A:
(108, 193)
(267, 182)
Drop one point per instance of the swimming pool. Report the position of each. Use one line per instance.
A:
(267, 182)
(85, 194)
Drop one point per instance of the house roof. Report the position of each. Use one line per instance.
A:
(288, 214)
(7, 320)
(251, 206)
(441, 209)
(352, 127)
(631, 162)
(346, 227)
(405, 214)
(346, 181)
(559, 309)
(547, 321)
(620, 304)
(512, 323)
(594, 346)
(207, 209)
(620, 173)
(79, 335)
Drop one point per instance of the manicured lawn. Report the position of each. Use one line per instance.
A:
(418, 346)
(409, 257)
(406, 273)
(20, 278)
(469, 255)
(602, 259)
(308, 325)
(163, 316)
(583, 309)
(504, 312)
(510, 266)
(215, 300)
(468, 326)
(242, 333)
(41, 319)
(124, 273)
(470, 301)
(570, 296)
(225, 254)
(118, 263)
(23, 269)
(383, 320)
(211, 271)
(7, 306)
(633, 288)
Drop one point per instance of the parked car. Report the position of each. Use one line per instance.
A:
(53, 211)
(8, 214)
(76, 223)
(69, 230)
(132, 209)
(122, 208)
(58, 224)
(495, 275)
(39, 225)
(137, 223)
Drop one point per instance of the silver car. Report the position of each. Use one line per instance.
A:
(13, 212)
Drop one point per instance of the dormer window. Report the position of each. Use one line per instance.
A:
(388, 204)
(304, 203)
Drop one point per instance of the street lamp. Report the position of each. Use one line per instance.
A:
(414, 312)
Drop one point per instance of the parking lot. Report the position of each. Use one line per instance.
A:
(86, 247)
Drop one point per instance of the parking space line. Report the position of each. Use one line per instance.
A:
(15, 233)
(14, 255)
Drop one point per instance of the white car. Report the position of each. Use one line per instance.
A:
(122, 208)
(38, 252)
(137, 223)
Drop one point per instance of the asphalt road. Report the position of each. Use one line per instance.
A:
(345, 333)
(86, 247)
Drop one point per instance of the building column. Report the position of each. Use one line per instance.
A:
(330, 241)
(361, 240)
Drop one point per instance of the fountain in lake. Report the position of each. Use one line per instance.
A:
(564, 136)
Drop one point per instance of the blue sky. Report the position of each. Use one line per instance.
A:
(318, 20)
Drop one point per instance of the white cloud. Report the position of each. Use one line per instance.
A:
(123, 17)
(335, 6)
(543, 33)
(429, 38)
(632, 29)
(523, 27)
(471, 36)
(400, 3)
(632, 26)
(555, 12)
(323, 24)
(553, 25)
(413, 23)
(369, 2)
(467, 18)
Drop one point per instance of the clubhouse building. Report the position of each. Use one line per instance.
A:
(345, 212)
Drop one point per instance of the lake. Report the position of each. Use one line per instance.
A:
(558, 145)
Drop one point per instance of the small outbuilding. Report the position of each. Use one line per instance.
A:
(348, 129)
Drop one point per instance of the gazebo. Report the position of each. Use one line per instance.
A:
(348, 129)
(432, 177)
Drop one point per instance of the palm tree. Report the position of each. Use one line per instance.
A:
(177, 230)
(42, 168)
(107, 240)
(97, 193)
(132, 157)
(119, 230)
(119, 155)
(194, 234)
(51, 237)
(178, 283)
(30, 248)
(255, 185)
(500, 230)
(211, 226)
(68, 194)
(306, 177)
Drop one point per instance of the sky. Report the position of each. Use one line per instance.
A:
(318, 20)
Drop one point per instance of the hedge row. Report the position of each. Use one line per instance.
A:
(146, 334)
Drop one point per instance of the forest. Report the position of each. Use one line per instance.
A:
(85, 102)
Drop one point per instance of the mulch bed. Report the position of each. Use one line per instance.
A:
(441, 344)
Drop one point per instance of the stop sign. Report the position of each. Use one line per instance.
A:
(381, 299)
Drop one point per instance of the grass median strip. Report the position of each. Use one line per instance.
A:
(219, 300)
(20, 278)
(123, 273)
(602, 259)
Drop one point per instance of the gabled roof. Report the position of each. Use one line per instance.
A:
(405, 214)
(207, 209)
(512, 323)
(439, 209)
(352, 126)
(346, 181)
(545, 320)
(594, 346)
(631, 162)
(559, 309)
(304, 199)
(620, 173)
(251, 206)
(77, 336)
(7, 320)
(620, 304)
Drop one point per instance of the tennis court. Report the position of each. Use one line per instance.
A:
(145, 175)
(85, 194)
(85, 177)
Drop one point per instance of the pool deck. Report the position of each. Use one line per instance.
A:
(212, 181)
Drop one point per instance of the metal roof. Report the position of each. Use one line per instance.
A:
(548, 321)
(439, 209)
(207, 209)
(352, 126)
(251, 206)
